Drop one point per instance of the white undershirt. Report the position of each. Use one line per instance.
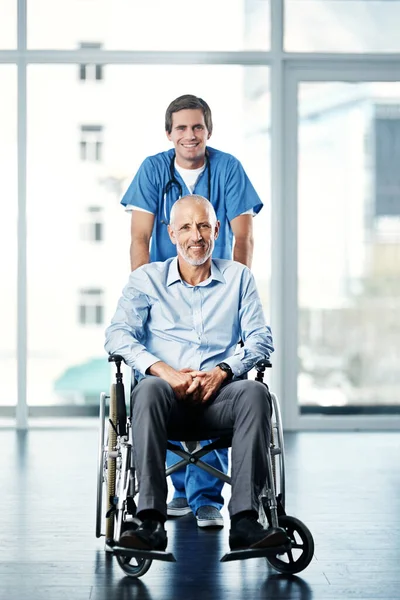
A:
(190, 176)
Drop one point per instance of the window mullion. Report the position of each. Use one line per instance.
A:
(22, 407)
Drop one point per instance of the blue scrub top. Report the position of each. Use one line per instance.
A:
(231, 195)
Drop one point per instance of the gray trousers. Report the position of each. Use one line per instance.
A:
(241, 408)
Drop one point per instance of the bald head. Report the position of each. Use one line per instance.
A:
(193, 228)
(188, 202)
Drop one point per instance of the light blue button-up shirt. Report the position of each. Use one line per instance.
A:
(161, 317)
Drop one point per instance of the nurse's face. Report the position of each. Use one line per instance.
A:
(189, 135)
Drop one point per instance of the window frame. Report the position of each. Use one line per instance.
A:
(297, 72)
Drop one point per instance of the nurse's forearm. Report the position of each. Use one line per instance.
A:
(243, 251)
(242, 229)
(139, 254)
(141, 229)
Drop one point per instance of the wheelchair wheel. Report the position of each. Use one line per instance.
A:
(134, 567)
(101, 458)
(300, 555)
(278, 452)
(111, 463)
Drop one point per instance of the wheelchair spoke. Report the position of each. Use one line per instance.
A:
(130, 560)
(290, 555)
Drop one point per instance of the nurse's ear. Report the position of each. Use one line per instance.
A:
(172, 235)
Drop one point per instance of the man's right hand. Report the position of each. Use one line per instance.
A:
(180, 381)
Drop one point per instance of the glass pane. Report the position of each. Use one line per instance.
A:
(8, 24)
(349, 244)
(8, 234)
(342, 25)
(74, 278)
(150, 25)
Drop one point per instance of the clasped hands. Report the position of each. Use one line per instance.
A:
(197, 387)
(190, 385)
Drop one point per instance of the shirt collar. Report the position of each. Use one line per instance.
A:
(174, 276)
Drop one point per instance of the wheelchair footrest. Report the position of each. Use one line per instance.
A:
(148, 554)
(254, 553)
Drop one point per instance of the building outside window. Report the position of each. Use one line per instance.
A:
(93, 228)
(90, 71)
(91, 143)
(91, 306)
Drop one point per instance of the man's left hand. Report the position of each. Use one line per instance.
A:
(210, 382)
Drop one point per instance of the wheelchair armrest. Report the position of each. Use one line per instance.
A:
(116, 358)
(263, 364)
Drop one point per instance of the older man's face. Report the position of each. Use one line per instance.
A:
(194, 232)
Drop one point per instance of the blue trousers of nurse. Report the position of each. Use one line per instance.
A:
(197, 486)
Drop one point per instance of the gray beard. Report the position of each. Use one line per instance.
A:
(193, 261)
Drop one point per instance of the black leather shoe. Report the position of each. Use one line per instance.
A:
(249, 533)
(150, 535)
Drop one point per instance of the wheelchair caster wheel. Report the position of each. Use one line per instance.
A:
(302, 547)
(133, 566)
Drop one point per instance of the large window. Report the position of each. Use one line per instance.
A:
(349, 245)
(8, 235)
(94, 78)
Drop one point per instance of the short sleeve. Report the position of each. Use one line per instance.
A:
(143, 192)
(240, 197)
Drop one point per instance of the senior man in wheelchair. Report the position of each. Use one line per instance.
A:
(177, 325)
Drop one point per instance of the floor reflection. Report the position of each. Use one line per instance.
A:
(278, 586)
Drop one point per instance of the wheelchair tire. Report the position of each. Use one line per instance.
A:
(111, 462)
(302, 551)
(133, 567)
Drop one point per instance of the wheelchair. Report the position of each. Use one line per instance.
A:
(117, 487)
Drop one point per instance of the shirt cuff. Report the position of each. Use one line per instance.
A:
(144, 361)
(236, 365)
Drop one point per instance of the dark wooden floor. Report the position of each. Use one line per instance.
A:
(344, 486)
